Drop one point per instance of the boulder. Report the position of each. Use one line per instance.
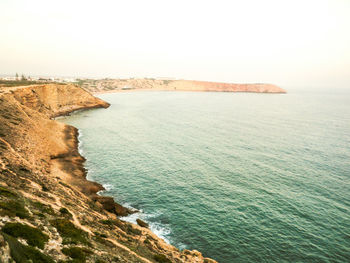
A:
(142, 223)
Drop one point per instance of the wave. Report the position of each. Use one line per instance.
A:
(108, 187)
(161, 230)
(80, 142)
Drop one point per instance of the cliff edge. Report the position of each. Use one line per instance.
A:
(49, 212)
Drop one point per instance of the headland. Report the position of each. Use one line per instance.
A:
(117, 85)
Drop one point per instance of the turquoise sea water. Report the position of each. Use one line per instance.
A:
(240, 177)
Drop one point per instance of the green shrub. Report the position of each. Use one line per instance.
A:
(44, 188)
(134, 231)
(65, 185)
(107, 222)
(22, 82)
(13, 208)
(78, 254)
(46, 209)
(161, 258)
(68, 231)
(114, 223)
(100, 234)
(21, 253)
(64, 211)
(33, 236)
(7, 193)
(103, 241)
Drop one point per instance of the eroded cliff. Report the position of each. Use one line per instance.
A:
(49, 212)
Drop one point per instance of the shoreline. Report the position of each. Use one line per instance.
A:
(109, 201)
(42, 169)
(88, 187)
(101, 187)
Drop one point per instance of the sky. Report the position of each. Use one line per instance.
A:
(285, 42)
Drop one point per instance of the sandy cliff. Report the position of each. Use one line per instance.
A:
(112, 85)
(49, 212)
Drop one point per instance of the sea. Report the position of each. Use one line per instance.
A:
(240, 177)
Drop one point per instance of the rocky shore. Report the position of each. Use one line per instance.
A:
(49, 211)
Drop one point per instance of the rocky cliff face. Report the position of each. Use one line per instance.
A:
(49, 212)
(55, 100)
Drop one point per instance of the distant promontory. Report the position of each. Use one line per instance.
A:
(113, 85)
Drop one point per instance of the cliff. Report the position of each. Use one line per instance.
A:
(112, 85)
(49, 212)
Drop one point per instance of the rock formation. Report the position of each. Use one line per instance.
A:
(49, 212)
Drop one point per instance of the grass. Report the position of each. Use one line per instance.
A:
(45, 209)
(65, 185)
(69, 233)
(114, 223)
(100, 239)
(100, 234)
(134, 231)
(78, 254)
(125, 227)
(14, 83)
(7, 193)
(13, 208)
(166, 82)
(21, 253)
(33, 236)
(108, 222)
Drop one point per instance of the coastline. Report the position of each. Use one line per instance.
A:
(91, 188)
(41, 167)
(74, 161)
(131, 215)
(121, 85)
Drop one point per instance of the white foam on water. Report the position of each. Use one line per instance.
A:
(131, 218)
(108, 187)
(59, 117)
(159, 229)
(80, 143)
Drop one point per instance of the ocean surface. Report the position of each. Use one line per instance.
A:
(240, 177)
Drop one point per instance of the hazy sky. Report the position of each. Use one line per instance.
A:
(286, 42)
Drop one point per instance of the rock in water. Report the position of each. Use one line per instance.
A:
(142, 223)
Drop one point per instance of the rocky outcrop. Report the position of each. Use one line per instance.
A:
(43, 189)
(142, 223)
(190, 85)
(55, 100)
